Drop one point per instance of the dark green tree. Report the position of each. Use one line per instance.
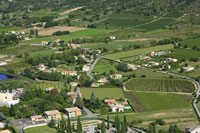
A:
(125, 124)
(93, 97)
(79, 126)
(69, 125)
(108, 121)
(103, 128)
(12, 111)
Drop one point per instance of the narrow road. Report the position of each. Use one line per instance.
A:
(89, 73)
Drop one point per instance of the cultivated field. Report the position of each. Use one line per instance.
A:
(41, 129)
(50, 31)
(45, 85)
(162, 85)
(148, 101)
(103, 93)
(143, 51)
(192, 42)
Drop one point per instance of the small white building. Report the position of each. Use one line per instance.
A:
(115, 76)
(8, 99)
(73, 112)
(112, 37)
(132, 67)
(188, 68)
(86, 68)
(116, 107)
(73, 84)
(193, 129)
(95, 85)
(2, 63)
(152, 63)
(171, 60)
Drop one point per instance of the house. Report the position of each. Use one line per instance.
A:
(188, 68)
(53, 114)
(116, 107)
(110, 101)
(112, 37)
(73, 46)
(36, 118)
(73, 95)
(132, 67)
(41, 67)
(2, 63)
(57, 41)
(161, 53)
(171, 60)
(115, 76)
(2, 125)
(71, 73)
(153, 53)
(152, 63)
(145, 58)
(45, 43)
(50, 89)
(8, 99)
(95, 85)
(102, 81)
(73, 112)
(73, 84)
(86, 68)
(193, 129)
(27, 39)
(5, 131)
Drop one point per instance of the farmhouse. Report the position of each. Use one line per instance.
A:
(27, 39)
(53, 114)
(193, 129)
(45, 43)
(132, 67)
(41, 67)
(73, 46)
(115, 76)
(116, 107)
(112, 37)
(57, 41)
(188, 68)
(71, 73)
(153, 53)
(110, 101)
(145, 58)
(103, 81)
(5, 131)
(2, 63)
(152, 63)
(86, 68)
(95, 85)
(36, 118)
(171, 60)
(73, 112)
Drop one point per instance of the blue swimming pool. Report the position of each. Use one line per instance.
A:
(3, 77)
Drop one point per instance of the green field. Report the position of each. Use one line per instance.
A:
(9, 28)
(142, 51)
(103, 93)
(73, 35)
(162, 85)
(159, 24)
(43, 12)
(147, 101)
(185, 54)
(42, 53)
(104, 66)
(192, 42)
(40, 129)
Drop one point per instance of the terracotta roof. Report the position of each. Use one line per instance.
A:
(72, 109)
(52, 112)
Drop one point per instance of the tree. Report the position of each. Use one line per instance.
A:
(69, 125)
(79, 102)
(52, 123)
(125, 124)
(108, 122)
(79, 126)
(12, 111)
(2, 116)
(10, 70)
(62, 128)
(103, 129)
(93, 97)
(123, 130)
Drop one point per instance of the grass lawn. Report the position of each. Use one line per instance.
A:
(9, 28)
(160, 85)
(41, 129)
(73, 35)
(161, 101)
(104, 66)
(141, 51)
(192, 42)
(103, 93)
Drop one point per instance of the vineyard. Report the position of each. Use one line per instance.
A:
(162, 85)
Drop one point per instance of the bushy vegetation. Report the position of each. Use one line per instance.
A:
(162, 85)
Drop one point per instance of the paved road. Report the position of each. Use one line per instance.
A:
(89, 73)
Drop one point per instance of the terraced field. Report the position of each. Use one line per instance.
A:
(160, 85)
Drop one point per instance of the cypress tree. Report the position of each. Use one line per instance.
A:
(79, 126)
(125, 124)
(92, 97)
(118, 125)
(108, 122)
(103, 129)
(69, 125)
(123, 127)
(12, 110)
(73, 128)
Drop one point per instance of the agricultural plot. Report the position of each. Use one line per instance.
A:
(10, 28)
(125, 19)
(147, 101)
(44, 85)
(143, 51)
(49, 52)
(103, 93)
(159, 24)
(50, 31)
(43, 12)
(192, 42)
(160, 85)
(104, 66)
(73, 35)
(185, 54)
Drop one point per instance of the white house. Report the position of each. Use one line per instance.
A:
(116, 107)
(152, 63)
(112, 37)
(95, 85)
(115, 76)
(193, 129)
(2, 63)
(132, 67)
(6, 99)
(171, 60)
(73, 112)
(188, 68)
(86, 68)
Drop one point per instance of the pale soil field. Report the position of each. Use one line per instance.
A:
(50, 31)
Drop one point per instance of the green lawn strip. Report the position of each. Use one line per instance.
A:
(73, 35)
(44, 85)
(41, 129)
(10, 28)
(162, 85)
(49, 52)
(103, 93)
(141, 51)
